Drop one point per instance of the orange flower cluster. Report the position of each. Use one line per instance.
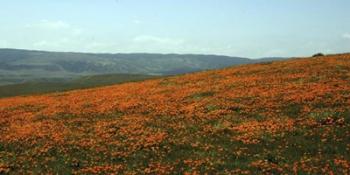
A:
(343, 164)
(4, 169)
(250, 132)
(249, 119)
(109, 169)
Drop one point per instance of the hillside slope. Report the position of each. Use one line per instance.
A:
(288, 117)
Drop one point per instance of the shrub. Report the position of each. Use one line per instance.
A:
(318, 55)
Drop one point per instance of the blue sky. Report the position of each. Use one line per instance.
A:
(250, 28)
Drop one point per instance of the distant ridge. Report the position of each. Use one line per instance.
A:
(19, 66)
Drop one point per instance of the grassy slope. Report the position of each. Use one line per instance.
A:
(288, 117)
(32, 88)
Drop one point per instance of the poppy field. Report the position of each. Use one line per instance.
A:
(283, 117)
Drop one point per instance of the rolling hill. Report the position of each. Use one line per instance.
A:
(285, 117)
(41, 87)
(21, 66)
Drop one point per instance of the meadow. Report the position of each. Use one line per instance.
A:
(282, 117)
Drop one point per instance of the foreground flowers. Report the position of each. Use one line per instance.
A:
(281, 117)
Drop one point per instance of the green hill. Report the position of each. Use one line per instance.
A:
(18, 66)
(40, 87)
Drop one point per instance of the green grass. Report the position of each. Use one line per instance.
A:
(201, 95)
(35, 88)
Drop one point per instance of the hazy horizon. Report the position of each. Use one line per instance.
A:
(242, 28)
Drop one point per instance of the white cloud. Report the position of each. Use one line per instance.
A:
(45, 29)
(4, 44)
(136, 21)
(147, 39)
(42, 43)
(274, 53)
(98, 46)
(49, 44)
(50, 25)
(63, 36)
(346, 35)
(54, 35)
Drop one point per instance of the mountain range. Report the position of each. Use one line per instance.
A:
(19, 66)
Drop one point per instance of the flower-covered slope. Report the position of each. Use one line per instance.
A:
(280, 117)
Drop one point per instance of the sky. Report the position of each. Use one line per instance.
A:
(247, 28)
